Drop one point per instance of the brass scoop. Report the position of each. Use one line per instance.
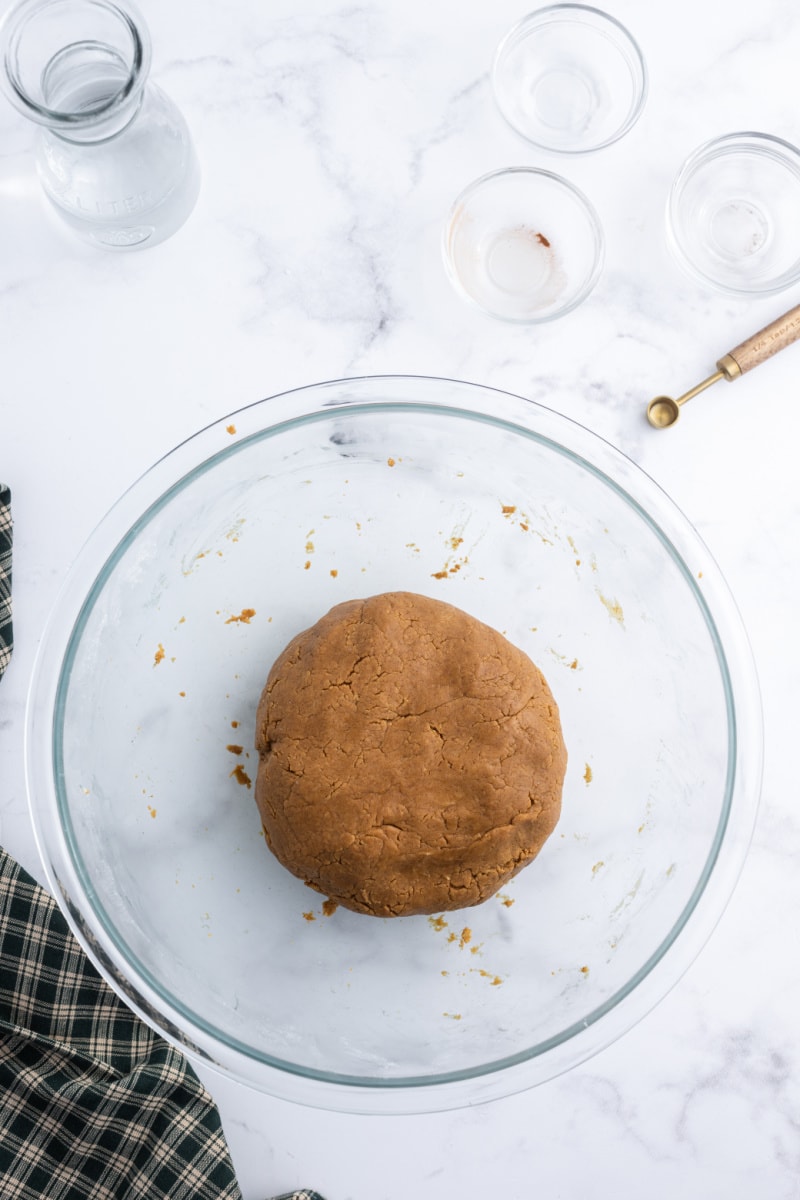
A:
(664, 411)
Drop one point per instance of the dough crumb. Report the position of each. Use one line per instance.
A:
(243, 618)
(240, 775)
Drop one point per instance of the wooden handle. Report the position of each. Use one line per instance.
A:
(762, 345)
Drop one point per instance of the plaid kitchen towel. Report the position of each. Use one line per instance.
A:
(5, 578)
(93, 1104)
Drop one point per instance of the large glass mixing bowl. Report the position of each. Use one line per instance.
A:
(141, 724)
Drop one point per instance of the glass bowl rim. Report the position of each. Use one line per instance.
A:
(511, 1073)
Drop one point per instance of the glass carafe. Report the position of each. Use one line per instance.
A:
(114, 154)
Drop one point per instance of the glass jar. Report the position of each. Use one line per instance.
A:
(114, 154)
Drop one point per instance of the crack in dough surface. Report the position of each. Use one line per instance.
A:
(411, 759)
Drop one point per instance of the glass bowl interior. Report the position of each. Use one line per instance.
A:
(141, 726)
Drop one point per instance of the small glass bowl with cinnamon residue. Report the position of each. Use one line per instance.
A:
(524, 245)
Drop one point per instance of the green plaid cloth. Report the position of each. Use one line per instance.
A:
(93, 1104)
(6, 641)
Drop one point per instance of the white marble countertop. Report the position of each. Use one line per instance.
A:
(333, 138)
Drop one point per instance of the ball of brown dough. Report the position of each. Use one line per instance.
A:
(410, 758)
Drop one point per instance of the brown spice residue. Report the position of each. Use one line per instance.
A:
(542, 240)
(240, 775)
(234, 724)
(234, 749)
(329, 907)
(243, 618)
(517, 516)
(584, 970)
(450, 568)
(463, 939)
(159, 655)
(613, 607)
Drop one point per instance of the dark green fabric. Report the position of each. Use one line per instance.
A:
(6, 640)
(93, 1104)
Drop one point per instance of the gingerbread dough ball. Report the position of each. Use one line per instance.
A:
(410, 758)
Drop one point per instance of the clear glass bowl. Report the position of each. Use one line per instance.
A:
(732, 214)
(141, 725)
(523, 245)
(569, 78)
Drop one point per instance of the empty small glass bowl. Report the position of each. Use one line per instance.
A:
(524, 245)
(569, 78)
(732, 214)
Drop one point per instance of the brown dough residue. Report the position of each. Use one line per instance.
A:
(410, 757)
(243, 618)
